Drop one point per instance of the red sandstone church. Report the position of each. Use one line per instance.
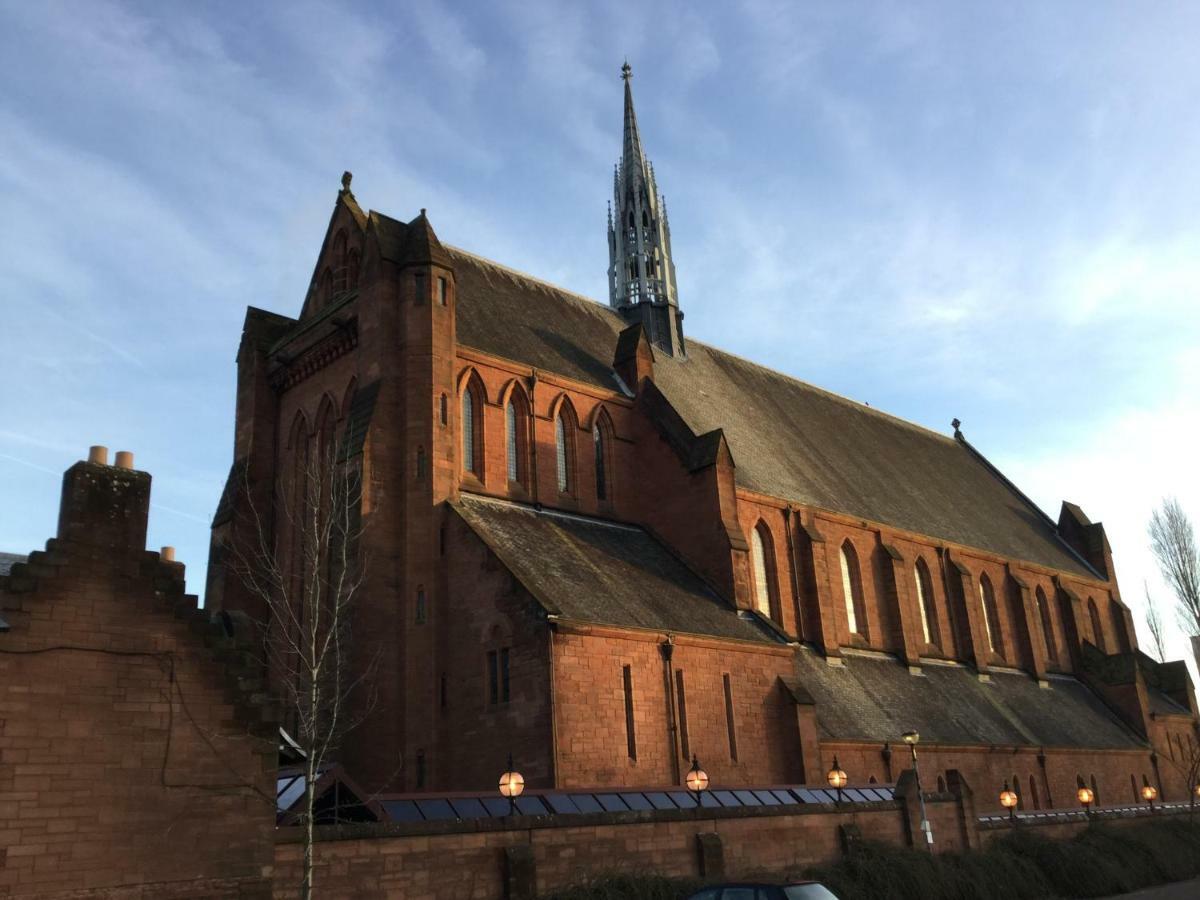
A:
(609, 549)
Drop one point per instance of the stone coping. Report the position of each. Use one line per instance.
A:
(358, 831)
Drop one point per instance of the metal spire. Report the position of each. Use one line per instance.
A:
(641, 272)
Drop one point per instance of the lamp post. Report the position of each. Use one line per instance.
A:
(1085, 795)
(697, 782)
(837, 778)
(512, 783)
(1149, 792)
(911, 738)
(1008, 799)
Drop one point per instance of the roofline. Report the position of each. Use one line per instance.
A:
(575, 295)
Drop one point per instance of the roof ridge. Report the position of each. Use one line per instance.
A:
(833, 395)
(539, 510)
(541, 282)
(567, 292)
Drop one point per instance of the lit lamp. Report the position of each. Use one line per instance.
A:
(1008, 799)
(1197, 791)
(1149, 792)
(837, 779)
(512, 783)
(1085, 795)
(911, 738)
(697, 781)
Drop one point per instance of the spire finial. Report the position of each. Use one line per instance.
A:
(626, 71)
(346, 178)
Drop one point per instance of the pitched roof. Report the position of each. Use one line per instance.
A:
(8, 560)
(590, 570)
(788, 439)
(876, 699)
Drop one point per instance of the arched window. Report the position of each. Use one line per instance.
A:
(941, 784)
(471, 432)
(339, 262)
(515, 426)
(325, 289)
(925, 604)
(602, 445)
(763, 556)
(564, 448)
(443, 411)
(1016, 783)
(1137, 796)
(1119, 628)
(353, 263)
(1043, 606)
(856, 613)
(1033, 793)
(1097, 628)
(420, 612)
(991, 622)
(1095, 791)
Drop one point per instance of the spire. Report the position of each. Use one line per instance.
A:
(641, 272)
(632, 156)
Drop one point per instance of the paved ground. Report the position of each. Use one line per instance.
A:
(1180, 890)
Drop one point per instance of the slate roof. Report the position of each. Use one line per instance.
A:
(592, 571)
(789, 439)
(1162, 705)
(876, 699)
(8, 560)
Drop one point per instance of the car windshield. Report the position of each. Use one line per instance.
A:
(808, 892)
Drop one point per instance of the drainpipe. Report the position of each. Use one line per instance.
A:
(667, 648)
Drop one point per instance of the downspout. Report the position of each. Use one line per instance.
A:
(554, 781)
(667, 648)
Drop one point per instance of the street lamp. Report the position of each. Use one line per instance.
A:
(697, 781)
(512, 783)
(911, 738)
(1085, 795)
(1149, 792)
(1008, 799)
(837, 778)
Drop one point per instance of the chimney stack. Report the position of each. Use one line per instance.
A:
(105, 506)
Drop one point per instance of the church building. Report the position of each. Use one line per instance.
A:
(608, 549)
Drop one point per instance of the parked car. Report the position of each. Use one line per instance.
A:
(800, 890)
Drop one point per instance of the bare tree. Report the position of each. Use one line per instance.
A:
(1174, 545)
(1155, 623)
(307, 571)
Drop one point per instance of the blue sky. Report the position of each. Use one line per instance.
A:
(989, 211)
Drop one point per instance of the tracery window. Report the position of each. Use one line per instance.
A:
(515, 435)
(471, 411)
(564, 434)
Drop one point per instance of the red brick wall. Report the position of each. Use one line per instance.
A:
(591, 717)
(128, 753)
(486, 609)
(467, 863)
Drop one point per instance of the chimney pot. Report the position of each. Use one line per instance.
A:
(168, 554)
(98, 455)
(124, 459)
